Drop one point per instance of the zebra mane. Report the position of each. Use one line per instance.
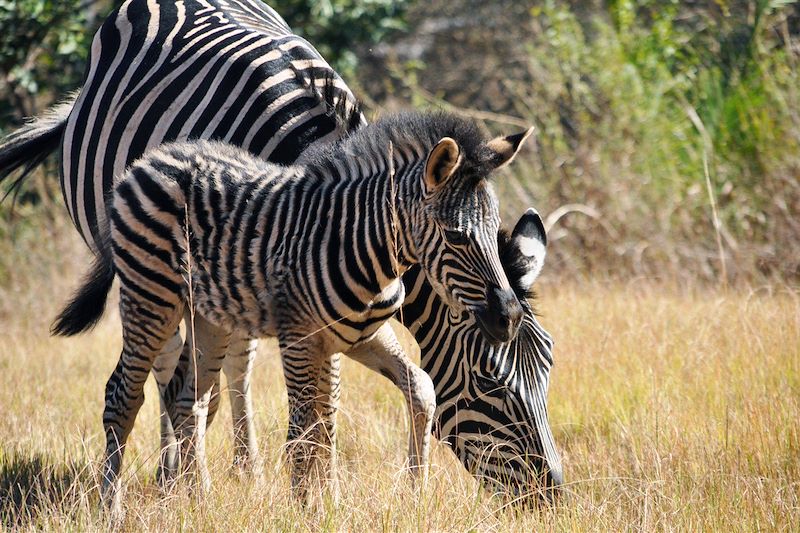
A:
(351, 117)
(412, 132)
(347, 112)
(515, 265)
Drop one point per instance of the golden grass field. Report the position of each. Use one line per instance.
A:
(675, 408)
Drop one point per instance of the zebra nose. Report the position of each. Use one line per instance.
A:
(549, 490)
(554, 478)
(502, 315)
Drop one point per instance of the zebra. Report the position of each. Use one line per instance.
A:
(268, 77)
(488, 395)
(311, 253)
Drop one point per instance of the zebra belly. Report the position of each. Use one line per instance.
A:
(245, 313)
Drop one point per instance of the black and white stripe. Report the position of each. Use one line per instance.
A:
(491, 401)
(161, 71)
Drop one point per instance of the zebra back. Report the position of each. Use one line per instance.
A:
(169, 71)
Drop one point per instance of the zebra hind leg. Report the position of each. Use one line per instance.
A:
(146, 328)
(238, 367)
(384, 354)
(163, 370)
(195, 387)
(312, 384)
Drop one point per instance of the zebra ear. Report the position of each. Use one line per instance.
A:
(506, 148)
(443, 161)
(530, 239)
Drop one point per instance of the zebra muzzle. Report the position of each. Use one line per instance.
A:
(499, 320)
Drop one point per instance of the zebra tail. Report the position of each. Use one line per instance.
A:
(29, 145)
(87, 305)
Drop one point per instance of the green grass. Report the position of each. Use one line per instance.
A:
(674, 408)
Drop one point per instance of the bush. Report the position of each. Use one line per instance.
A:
(647, 112)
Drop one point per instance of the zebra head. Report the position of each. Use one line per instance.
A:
(496, 418)
(458, 249)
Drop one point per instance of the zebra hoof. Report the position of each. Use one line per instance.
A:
(111, 506)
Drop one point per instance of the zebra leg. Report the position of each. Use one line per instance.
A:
(312, 384)
(327, 405)
(163, 370)
(238, 367)
(146, 328)
(192, 388)
(214, 401)
(384, 354)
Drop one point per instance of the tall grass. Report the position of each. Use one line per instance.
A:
(674, 408)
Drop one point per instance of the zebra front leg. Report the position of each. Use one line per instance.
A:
(312, 384)
(163, 370)
(238, 367)
(384, 354)
(192, 388)
(146, 328)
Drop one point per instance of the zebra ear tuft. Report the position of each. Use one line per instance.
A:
(530, 226)
(443, 161)
(504, 149)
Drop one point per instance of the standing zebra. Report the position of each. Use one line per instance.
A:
(162, 71)
(311, 253)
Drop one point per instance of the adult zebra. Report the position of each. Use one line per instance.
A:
(161, 71)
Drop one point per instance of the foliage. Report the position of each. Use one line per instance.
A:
(675, 90)
(43, 49)
(339, 28)
(639, 106)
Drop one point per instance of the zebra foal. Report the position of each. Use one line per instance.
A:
(311, 253)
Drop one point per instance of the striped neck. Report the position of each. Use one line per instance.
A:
(384, 197)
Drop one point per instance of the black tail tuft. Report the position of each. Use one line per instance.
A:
(28, 146)
(86, 308)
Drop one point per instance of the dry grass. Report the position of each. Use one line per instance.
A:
(675, 409)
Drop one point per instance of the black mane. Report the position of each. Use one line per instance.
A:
(416, 132)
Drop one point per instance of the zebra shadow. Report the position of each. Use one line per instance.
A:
(33, 487)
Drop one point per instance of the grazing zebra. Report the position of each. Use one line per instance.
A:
(491, 398)
(311, 253)
(161, 71)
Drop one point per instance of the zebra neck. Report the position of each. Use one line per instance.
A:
(445, 339)
(381, 202)
(344, 231)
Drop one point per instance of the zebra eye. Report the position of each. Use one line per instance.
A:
(489, 386)
(455, 237)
